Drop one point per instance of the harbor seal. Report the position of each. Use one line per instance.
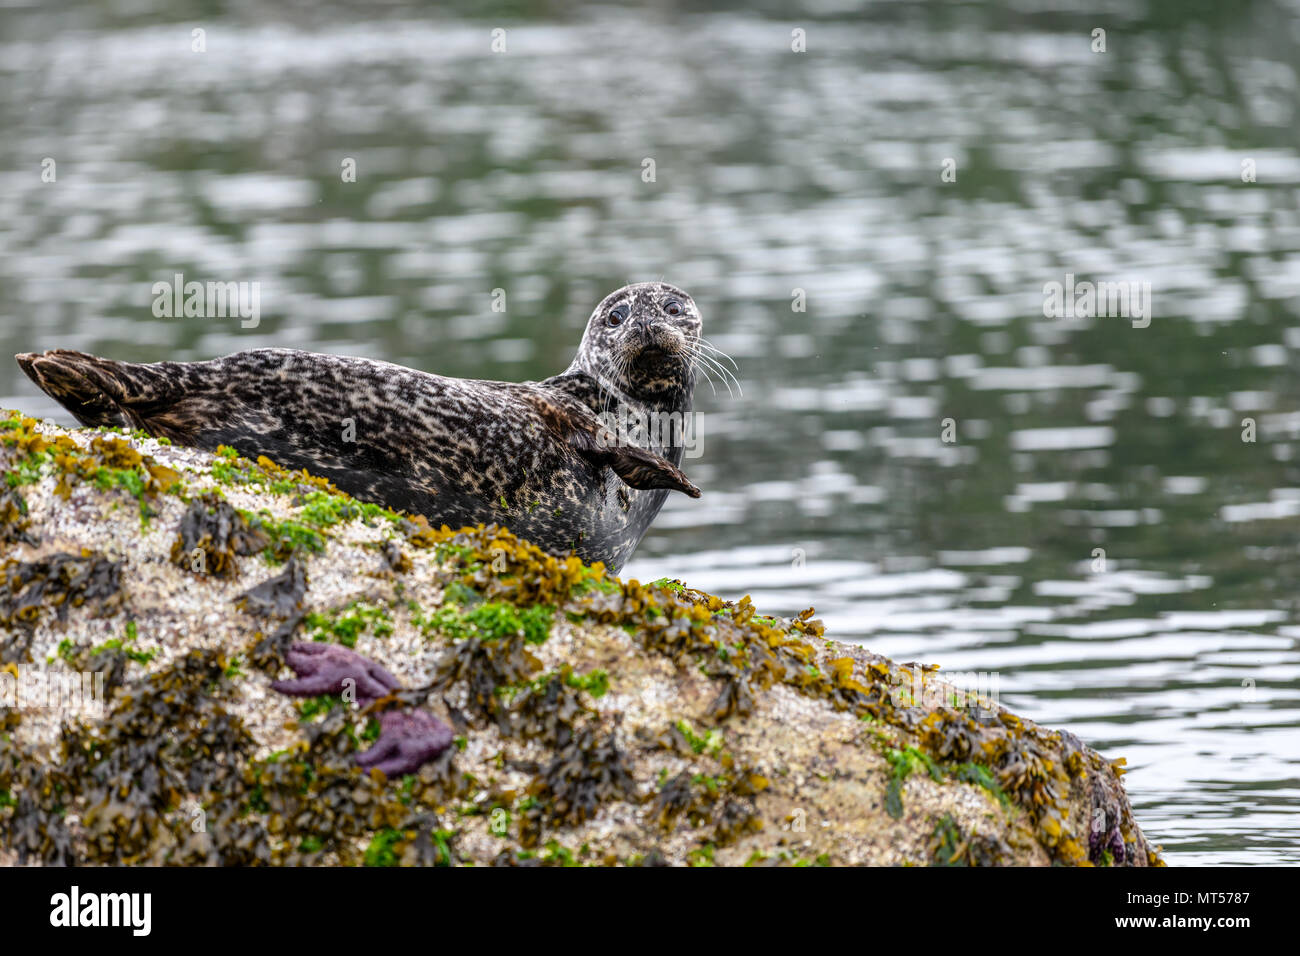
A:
(540, 458)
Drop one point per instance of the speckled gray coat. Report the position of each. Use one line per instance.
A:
(534, 456)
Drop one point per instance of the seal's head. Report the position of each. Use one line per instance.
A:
(643, 340)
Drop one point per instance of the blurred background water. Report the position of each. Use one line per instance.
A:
(828, 483)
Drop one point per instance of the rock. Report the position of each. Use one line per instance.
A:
(531, 710)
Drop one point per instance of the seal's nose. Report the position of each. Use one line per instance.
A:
(642, 325)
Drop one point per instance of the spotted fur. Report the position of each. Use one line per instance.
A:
(533, 456)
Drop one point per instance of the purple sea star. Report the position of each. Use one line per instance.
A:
(327, 668)
(408, 739)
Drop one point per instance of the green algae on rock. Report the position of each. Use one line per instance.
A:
(597, 721)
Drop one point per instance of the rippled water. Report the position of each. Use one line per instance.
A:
(1177, 645)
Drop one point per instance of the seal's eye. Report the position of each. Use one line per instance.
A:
(616, 316)
(673, 307)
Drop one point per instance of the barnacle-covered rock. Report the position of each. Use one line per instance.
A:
(210, 660)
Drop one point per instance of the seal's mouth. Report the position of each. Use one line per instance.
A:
(654, 342)
(656, 358)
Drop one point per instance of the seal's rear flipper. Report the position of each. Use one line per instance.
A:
(62, 377)
(637, 467)
(100, 391)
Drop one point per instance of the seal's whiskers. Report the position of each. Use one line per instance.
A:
(697, 366)
(717, 351)
(707, 361)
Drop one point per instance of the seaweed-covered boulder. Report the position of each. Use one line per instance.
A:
(205, 659)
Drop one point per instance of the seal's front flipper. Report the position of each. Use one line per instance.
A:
(644, 470)
(637, 467)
